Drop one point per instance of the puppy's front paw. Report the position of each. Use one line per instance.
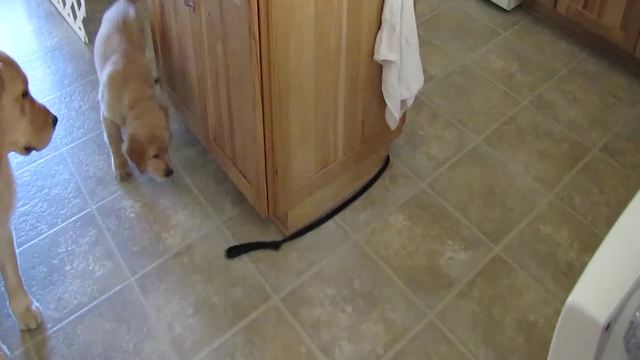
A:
(27, 314)
(123, 175)
(122, 171)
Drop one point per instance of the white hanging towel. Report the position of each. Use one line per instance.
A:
(398, 51)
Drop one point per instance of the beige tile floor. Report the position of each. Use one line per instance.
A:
(519, 155)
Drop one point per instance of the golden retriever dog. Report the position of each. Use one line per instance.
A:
(127, 96)
(25, 126)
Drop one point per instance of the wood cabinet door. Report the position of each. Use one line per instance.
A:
(616, 20)
(176, 40)
(230, 44)
(326, 113)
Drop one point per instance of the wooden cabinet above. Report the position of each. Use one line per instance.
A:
(616, 21)
(285, 95)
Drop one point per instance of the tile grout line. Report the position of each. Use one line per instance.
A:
(67, 146)
(305, 337)
(48, 233)
(495, 251)
(314, 269)
(278, 302)
(70, 87)
(468, 57)
(471, 58)
(489, 23)
(498, 247)
(234, 330)
(387, 211)
(272, 295)
(405, 339)
(39, 161)
(595, 151)
(92, 209)
(479, 138)
(468, 60)
(57, 36)
(385, 268)
(629, 173)
(472, 63)
(465, 280)
(160, 260)
(578, 216)
(455, 4)
(435, 12)
(495, 248)
(581, 55)
(73, 86)
(133, 278)
(453, 339)
(156, 328)
(77, 314)
(283, 308)
(57, 152)
(352, 238)
(70, 220)
(616, 163)
(83, 139)
(220, 225)
(218, 219)
(474, 57)
(430, 313)
(403, 288)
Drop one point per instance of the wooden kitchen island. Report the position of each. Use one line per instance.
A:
(284, 93)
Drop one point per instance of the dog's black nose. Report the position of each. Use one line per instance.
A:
(54, 120)
(168, 172)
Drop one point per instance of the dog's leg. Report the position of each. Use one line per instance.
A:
(120, 163)
(25, 309)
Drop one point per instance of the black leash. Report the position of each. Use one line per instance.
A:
(241, 249)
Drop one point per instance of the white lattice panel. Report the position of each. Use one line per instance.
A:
(84, 16)
(75, 12)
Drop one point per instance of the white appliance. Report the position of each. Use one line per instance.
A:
(601, 318)
(507, 4)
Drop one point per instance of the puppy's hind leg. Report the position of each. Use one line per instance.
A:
(25, 309)
(113, 135)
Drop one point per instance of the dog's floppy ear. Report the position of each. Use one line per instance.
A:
(136, 153)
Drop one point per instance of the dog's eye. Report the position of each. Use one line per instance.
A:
(25, 94)
(156, 156)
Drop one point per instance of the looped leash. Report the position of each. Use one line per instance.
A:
(275, 245)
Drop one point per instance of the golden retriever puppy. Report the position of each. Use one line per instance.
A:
(127, 96)
(25, 126)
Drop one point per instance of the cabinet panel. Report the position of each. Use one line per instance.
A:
(176, 36)
(232, 68)
(327, 109)
(616, 20)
